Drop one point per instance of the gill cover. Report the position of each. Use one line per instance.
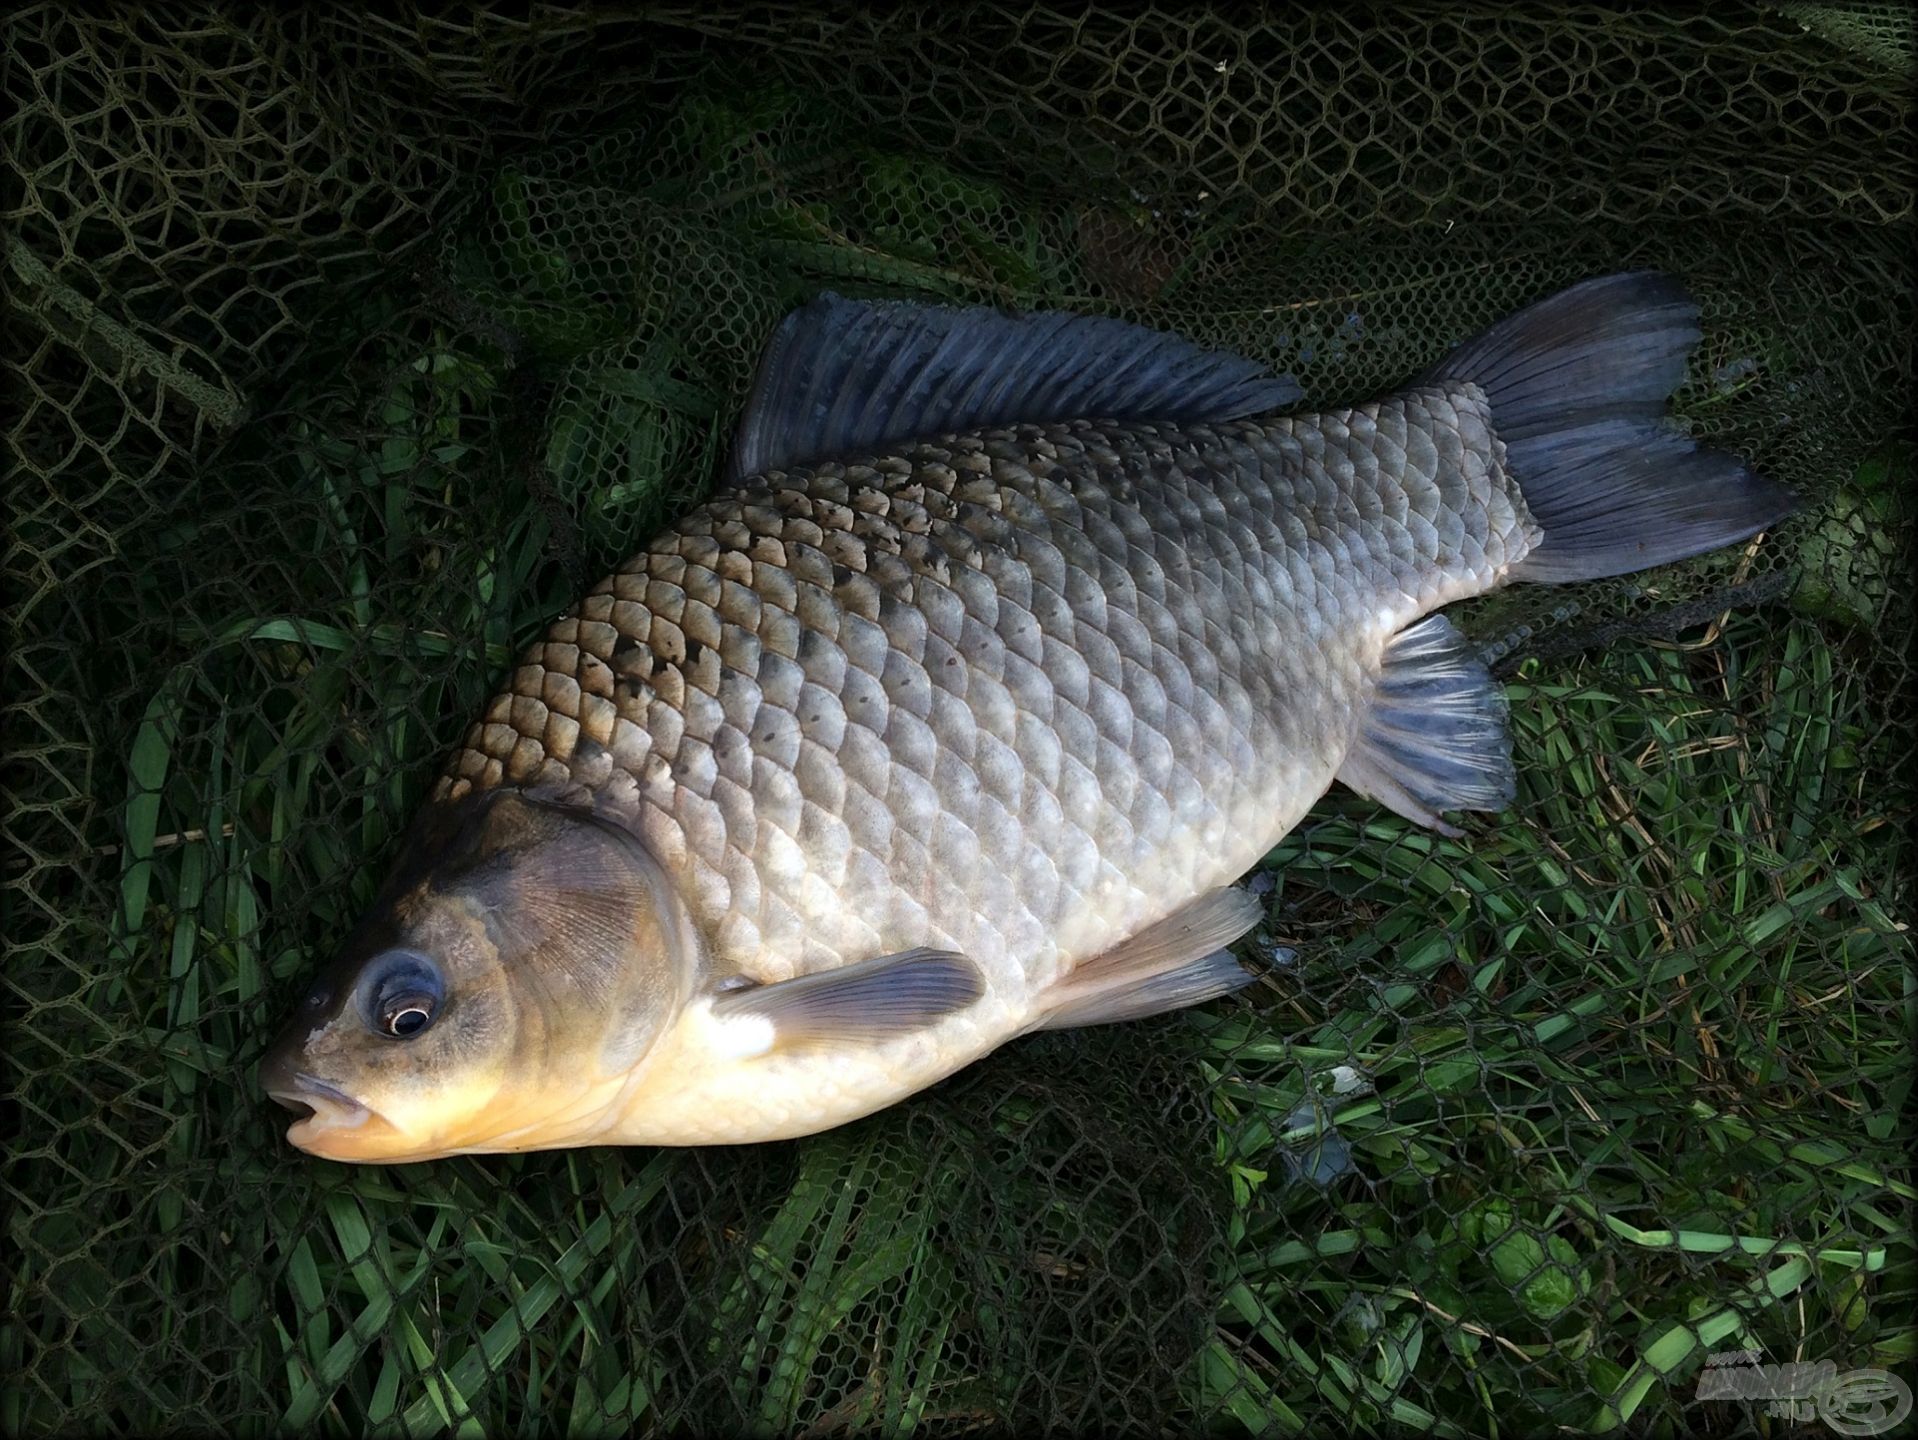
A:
(583, 920)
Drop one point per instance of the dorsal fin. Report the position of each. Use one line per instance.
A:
(842, 377)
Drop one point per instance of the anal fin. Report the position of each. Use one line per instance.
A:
(1433, 736)
(1180, 961)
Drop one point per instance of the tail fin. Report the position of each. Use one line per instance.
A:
(1578, 385)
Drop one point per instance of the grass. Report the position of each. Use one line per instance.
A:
(1632, 1065)
(1530, 1122)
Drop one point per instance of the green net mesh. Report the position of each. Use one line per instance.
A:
(345, 348)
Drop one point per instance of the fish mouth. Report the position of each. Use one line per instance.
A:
(322, 1106)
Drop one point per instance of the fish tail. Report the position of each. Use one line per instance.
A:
(1578, 386)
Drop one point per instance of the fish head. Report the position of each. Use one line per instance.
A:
(523, 958)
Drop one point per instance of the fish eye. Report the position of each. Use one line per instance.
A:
(401, 994)
(405, 1016)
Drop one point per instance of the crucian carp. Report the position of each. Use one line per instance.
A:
(1007, 646)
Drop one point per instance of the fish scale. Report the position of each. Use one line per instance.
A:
(1017, 693)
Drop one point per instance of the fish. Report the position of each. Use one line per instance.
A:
(1006, 647)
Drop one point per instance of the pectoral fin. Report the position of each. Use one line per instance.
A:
(1180, 961)
(873, 1001)
(1433, 737)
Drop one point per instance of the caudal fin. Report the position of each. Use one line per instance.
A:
(1578, 385)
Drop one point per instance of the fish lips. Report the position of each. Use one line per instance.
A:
(322, 1106)
(332, 1123)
